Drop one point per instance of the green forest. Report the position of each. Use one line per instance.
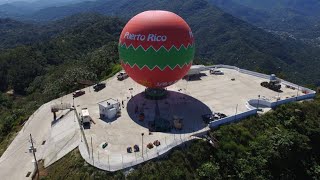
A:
(49, 69)
(44, 61)
(220, 37)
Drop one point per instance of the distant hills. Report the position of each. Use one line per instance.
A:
(295, 18)
(81, 47)
(46, 52)
(23, 10)
(287, 18)
(220, 37)
(14, 33)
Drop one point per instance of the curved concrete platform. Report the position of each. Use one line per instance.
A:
(212, 92)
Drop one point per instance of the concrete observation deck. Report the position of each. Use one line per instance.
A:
(187, 100)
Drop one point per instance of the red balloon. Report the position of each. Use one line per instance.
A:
(156, 48)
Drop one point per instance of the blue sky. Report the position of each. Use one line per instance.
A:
(6, 1)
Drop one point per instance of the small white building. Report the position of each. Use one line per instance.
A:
(196, 70)
(109, 108)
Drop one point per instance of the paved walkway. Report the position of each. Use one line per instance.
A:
(52, 141)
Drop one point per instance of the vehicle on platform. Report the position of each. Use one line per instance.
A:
(99, 86)
(273, 84)
(216, 71)
(207, 118)
(78, 93)
(122, 75)
(85, 117)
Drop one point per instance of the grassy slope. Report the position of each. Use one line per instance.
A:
(72, 166)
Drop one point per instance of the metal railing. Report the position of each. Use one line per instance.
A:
(117, 161)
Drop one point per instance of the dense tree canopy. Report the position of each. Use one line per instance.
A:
(283, 144)
(220, 37)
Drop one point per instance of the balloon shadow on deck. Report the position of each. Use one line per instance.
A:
(178, 113)
(194, 77)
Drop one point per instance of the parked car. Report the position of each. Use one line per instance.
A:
(212, 117)
(216, 71)
(78, 93)
(221, 115)
(209, 117)
(99, 86)
(122, 75)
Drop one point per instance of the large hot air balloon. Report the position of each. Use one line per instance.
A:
(156, 48)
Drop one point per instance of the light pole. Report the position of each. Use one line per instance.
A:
(297, 93)
(142, 134)
(61, 98)
(258, 102)
(74, 109)
(235, 117)
(34, 155)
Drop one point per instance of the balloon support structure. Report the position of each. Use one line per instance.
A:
(155, 93)
(159, 124)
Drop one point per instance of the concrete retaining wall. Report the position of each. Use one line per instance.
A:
(231, 119)
(252, 110)
(263, 76)
(309, 94)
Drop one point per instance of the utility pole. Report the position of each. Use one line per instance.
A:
(297, 93)
(235, 116)
(74, 109)
(92, 151)
(258, 102)
(34, 155)
(142, 145)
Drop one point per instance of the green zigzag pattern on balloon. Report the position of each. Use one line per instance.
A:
(160, 58)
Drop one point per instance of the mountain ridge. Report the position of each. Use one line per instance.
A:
(299, 18)
(222, 38)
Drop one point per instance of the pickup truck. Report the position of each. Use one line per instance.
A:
(122, 75)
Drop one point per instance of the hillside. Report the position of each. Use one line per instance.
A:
(56, 59)
(280, 145)
(298, 18)
(74, 40)
(220, 37)
(15, 33)
(21, 9)
(48, 69)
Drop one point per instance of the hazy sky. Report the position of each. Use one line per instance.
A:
(8, 1)
(47, 1)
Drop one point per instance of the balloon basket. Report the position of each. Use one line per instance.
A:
(155, 94)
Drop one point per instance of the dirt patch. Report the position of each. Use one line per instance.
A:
(42, 170)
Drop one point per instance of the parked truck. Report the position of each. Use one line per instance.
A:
(85, 117)
(122, 75)
(273, 84)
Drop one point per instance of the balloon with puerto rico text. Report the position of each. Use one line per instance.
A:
(156, 48)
